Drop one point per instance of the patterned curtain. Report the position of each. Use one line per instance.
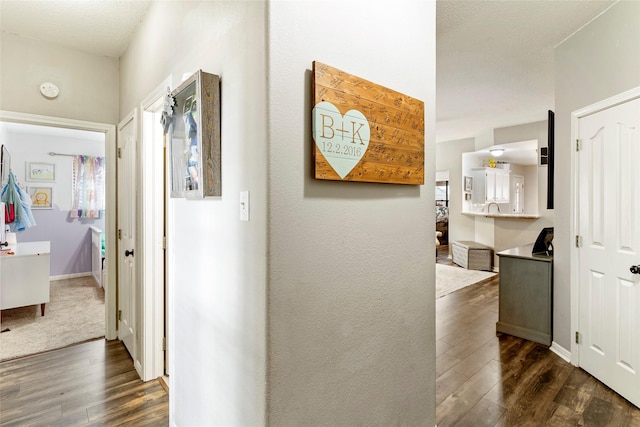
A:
(88, 187)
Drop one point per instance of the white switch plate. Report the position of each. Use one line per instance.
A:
(244, 206)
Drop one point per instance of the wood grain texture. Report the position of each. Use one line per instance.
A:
(396, 121)
(93, 383)
(484, 379)
(211, 155)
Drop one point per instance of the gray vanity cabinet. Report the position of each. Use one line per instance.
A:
(525, 295)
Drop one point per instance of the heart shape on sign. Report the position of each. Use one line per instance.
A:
(342, 140)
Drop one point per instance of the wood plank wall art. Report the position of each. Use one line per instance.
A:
(365, 132)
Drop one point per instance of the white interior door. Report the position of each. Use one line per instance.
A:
(609, 226)
(127, 324)
(517, 194)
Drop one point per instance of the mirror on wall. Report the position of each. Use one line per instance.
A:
(501, 179)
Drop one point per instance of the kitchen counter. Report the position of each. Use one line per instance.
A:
(526, 253)
(502, 215)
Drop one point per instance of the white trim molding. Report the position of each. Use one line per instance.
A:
(69, 276)
(151, 231)
(561, 351)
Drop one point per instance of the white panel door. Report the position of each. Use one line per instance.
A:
(609, 226)
(517, 194)
(126, 233)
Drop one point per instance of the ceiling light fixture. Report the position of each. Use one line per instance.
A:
(497, 152)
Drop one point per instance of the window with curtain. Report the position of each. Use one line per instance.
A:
(88, 187)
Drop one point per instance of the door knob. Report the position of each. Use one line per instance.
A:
(128, 252)
(635, 269)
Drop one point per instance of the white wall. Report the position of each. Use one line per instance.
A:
(599, 61)
(88, 83)
(351, 274)
(219, 269)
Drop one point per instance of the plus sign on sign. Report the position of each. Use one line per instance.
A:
(365, 132)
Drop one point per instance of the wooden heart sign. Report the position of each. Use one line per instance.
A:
(365, 132)
(342, 140)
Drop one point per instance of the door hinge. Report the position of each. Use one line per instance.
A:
(119, 234)
(164, 344)
(577, 337)
(578, 144)
(578, 241)
(164, 242)
(119, 314)
(119, 153)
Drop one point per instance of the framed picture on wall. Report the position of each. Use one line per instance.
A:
(194, 138)
(41, 197)
(37, 171)
(468, 183)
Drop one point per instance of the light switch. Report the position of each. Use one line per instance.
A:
(244, 206)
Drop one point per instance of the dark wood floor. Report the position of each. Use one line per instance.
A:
(484, 379)
(90, 384)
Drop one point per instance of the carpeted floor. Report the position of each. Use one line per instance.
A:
(75, 313)
(452, 278)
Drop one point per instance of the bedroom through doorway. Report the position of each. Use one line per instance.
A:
(73, 229)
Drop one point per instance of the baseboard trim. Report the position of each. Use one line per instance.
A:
(68, 276)
(164, 382)
(561, 351)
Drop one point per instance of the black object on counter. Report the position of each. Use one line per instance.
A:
(543, 244)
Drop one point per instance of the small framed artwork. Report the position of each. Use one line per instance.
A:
(467, 196)
(468, 183)
(41, 171)
(41, 197)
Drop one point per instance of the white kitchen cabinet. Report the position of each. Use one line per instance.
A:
(490, 185)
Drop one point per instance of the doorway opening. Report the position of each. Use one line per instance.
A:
(442, 192)
(79, 245)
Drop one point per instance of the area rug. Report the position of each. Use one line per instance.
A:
(451, 278)
(74, 314)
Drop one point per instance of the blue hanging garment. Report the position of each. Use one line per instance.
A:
(17, 206)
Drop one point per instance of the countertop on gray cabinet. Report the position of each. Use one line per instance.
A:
(526, 294)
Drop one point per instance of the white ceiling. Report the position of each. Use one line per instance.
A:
(494, 58)
(102, 27)
(494, 65)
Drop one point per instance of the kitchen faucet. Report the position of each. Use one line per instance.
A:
(493, 203)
